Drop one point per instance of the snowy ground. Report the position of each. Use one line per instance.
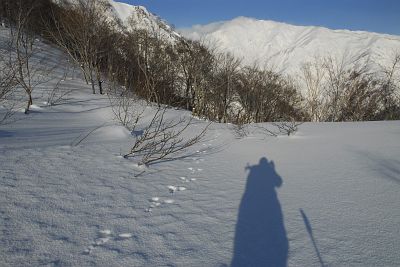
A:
(327, 196)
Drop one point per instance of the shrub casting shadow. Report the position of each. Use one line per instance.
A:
(260, 238)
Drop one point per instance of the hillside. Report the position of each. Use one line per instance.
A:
(285, 47)
(326, 196)
(142, 19)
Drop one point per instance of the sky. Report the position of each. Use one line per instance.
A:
(369, 15)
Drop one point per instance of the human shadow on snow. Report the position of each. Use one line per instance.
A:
(260, 238)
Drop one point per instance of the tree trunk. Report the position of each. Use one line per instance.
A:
(30, 102)
(99, 81)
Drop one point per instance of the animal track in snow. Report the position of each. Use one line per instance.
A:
(88, 250)
(101, 241)
(187, 180)
(193, 170)
(173, 188)
(154, 203)
(184, 179)
(104, 233)
(125, 235)
(104, 237)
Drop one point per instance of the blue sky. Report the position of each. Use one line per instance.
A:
(370, 15)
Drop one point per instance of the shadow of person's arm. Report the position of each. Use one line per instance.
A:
(248, 167)
(276, 178)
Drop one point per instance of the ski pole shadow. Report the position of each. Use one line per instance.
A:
(310, 233)
(260, 238)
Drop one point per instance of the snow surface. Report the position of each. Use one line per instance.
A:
(328, 195)
(285, 47)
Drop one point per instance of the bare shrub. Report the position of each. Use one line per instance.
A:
(287, 128)
(240, 130)
(280, 128)
(126, 109)
(163, 139)
(58, 93)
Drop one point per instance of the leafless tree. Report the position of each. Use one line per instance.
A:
(29, 66)
(390, 86)
(82, 29)
(195, 62)
(267, 96)
(7, 85)
(223, 84)
(313, 77)
(353, 91)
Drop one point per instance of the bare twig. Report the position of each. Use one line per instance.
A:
(163, 139)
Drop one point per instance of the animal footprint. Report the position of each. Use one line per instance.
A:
(125, 236)
(105, 233)
(88, 250)
(169, 201)
(105, 236)
(155, 202)
(187, 180)
(184, 179)
(173, 188)
(101, 241)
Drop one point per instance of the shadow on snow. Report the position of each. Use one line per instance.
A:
(260, 238)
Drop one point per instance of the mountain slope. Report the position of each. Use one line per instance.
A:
(286, 47)
(138, 17)
(68, 197)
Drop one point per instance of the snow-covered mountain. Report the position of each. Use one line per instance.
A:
(285, 47)
(138, 17)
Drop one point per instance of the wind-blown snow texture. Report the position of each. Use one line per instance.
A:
(285, 47)
(327, 196)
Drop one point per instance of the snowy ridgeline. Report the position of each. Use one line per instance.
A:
(138, 17)
(285, 47)
(327, 195)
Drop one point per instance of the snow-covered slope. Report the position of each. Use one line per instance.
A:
(286, 47)
(138, 17)
(327, 196)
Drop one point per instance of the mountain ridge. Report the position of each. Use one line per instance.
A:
(287, 47)
(142, 20)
